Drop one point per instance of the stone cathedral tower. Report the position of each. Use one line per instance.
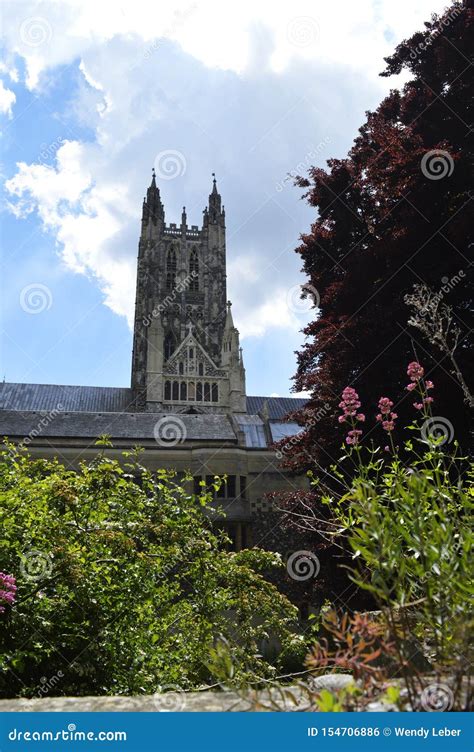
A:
(186, 352)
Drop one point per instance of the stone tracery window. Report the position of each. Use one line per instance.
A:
(194, 271)
(191, 391)
(171, 267)
(169, 345)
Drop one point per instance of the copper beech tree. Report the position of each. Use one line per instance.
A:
(394, 213)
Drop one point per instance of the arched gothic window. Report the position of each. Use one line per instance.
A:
(215, 393)
(167, 390)
(194, 272)
(171, 269)
(169, 345)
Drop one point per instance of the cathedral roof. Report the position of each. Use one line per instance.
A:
(89, 411)
(278, 407)
(128, 426)
(71, 398)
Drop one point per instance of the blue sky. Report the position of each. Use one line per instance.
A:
(92, 95)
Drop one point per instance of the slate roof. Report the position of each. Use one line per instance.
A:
(105, 399)
(16, 423)
(278, 407)
(47, 397)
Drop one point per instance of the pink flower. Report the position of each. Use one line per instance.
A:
(418, 405)
(386, 416)
(353, 437)
(415, 371)
(411, 386)
(429, 384)
(427, 400)
(385, 405)
(8, 590)
(349, 405)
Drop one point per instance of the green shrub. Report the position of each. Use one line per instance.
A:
(406, 516)
(123, 585)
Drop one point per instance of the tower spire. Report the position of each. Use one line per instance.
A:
(215, 210)
(152, 206)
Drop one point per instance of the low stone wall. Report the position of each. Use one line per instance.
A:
(206, 701)
(209, 702)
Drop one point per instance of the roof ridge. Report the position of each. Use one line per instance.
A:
(61, 386)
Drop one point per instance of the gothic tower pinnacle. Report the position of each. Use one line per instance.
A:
(185, 346)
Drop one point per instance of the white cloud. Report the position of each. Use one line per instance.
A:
(11, 71)
(301, 395)
(272, 313)
(215, 33)
(82, 215)
(244, 269)
(255, 86)
(7, 99)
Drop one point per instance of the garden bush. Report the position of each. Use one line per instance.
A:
(115, 581)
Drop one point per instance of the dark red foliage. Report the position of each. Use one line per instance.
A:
(382, 226)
